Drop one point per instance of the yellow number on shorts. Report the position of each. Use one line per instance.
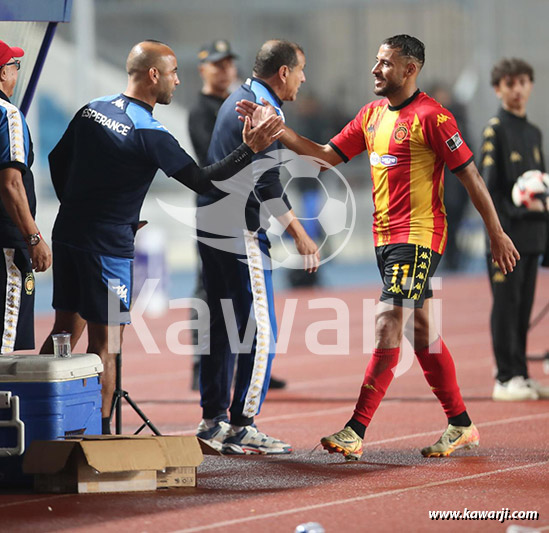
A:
(405, 270)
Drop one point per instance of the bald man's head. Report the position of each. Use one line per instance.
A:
(152, 72)
(145, 55)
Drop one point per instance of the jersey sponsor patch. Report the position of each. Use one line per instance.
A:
(386, 160)
(454, 142)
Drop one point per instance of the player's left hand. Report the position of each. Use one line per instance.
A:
(264, 134)
(40, 256)
(504, 252)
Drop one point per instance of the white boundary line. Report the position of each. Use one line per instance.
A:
(45, 498)
(356, 499)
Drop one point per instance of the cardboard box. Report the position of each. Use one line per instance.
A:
(113, 463)
(183, 455)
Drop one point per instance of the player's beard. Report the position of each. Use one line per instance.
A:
(389, 88)
(164, 98)
(165, 93)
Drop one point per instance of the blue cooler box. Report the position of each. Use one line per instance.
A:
(44, 397)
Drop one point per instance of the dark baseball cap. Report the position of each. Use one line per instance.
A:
(216, 51)
(7, 52)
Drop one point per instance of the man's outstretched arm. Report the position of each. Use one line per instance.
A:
(502, 248)
(290, 138)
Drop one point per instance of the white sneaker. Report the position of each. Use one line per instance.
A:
(515, 390)
(542, 390)
(214, 436)
(250, 441)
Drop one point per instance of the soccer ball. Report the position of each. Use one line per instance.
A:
(530, 186)
(323, 203)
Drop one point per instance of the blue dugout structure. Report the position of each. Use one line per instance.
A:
(50, 12)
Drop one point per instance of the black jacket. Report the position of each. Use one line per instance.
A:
(511, 146)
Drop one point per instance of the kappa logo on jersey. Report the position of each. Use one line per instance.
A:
(515, 157)
(119, 103)
(454, 142)
(441, 119)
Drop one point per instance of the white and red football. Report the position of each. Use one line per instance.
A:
(530, 188)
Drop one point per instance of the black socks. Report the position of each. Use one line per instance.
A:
(357, 427)
(460, 420)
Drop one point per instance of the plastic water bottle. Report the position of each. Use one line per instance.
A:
(309, 527)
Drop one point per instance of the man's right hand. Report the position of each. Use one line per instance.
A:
(264, 134)
(40, 257)
(504, 252)
(308, 249)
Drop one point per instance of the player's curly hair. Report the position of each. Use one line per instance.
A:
(510, 68)
(407, 46)
(273, 55)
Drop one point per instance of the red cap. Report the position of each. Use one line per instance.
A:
(7, 52)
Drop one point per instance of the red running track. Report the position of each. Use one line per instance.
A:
(392, 488)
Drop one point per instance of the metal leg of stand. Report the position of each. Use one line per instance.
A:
(116, 408)
(143, 416)
(118, 424)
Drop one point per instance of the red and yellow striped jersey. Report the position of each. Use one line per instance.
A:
(408, 146)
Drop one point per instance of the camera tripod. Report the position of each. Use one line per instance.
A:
(116, 407)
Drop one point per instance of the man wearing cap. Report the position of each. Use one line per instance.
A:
(218, 72)
(23, 248)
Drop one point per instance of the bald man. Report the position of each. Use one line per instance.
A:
(102, 169)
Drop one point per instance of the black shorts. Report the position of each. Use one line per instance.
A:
(88, 283)
(16, 300)
(406, 270)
